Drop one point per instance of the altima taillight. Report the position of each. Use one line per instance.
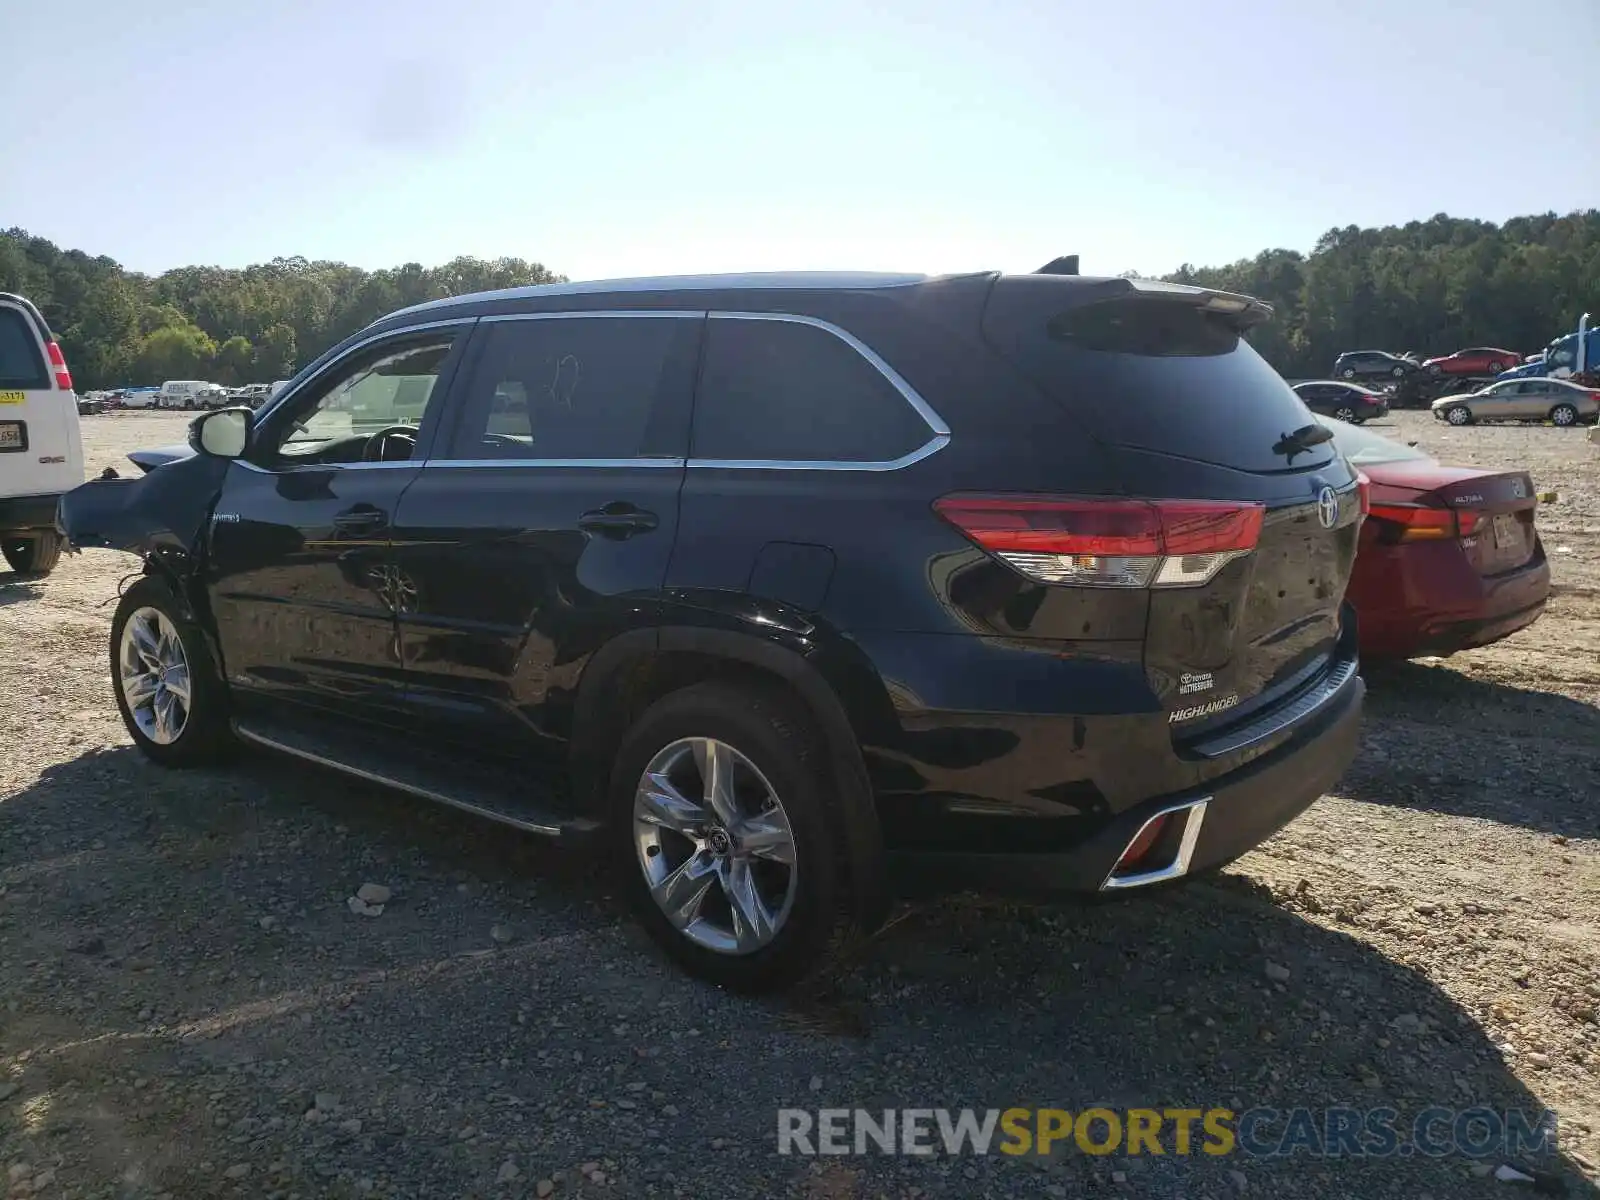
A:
(1107, 543)
(1414, 523)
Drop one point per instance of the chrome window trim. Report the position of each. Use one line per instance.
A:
(613, 463)
(940, 431)
(355, 466)
(573, 314)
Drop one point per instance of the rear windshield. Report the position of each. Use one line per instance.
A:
(1153, 374)
(21, 366)
(1365, 448)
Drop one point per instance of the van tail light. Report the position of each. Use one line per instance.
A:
(58, 364)
(1414, 523)
(1107, 543)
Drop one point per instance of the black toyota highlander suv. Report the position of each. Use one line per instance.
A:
(781, 592)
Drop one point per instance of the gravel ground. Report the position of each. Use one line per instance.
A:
(188, 1007)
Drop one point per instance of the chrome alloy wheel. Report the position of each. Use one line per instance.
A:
(154, 675)
(715, 846)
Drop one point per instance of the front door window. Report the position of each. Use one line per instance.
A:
(371, 412)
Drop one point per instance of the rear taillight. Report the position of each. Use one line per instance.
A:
(1413, 523)
(1108, 543)
(58, 364)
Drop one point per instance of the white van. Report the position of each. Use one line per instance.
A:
(184, 393)
(41, 447)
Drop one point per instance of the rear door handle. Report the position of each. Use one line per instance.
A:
(361, 519)
(618, 520)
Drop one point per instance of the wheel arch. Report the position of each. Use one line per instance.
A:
(636, 668)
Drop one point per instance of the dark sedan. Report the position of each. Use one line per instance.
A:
(1346, 401)
(1374, 364)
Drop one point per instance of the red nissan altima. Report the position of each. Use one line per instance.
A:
(1448, 558)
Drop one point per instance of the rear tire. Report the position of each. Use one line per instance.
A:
(1563, 415)
(1348, 373)
(1458, 416)
(36, 554)
(1495, 368)
(171, 696)
(1345, 413)
(780, 782)
(1398, 372)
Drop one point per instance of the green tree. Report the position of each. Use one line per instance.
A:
(175, 352)
(235, 361)
(275, 354)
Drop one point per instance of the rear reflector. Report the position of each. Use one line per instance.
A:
(1417, 524)
(1364, 492)
(58, 364)
(1107, 543)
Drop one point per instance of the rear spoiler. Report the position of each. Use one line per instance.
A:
(1242, 311)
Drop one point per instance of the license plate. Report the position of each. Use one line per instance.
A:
(1507, 531)
(12, 397)
(11, 435)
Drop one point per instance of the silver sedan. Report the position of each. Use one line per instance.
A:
(1553, 400)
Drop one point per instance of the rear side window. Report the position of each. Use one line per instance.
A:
(21, 365)
(786, 391)
(579, 388)
(1156, 374)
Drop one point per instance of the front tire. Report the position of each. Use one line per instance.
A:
(1458, 416)
(1563, 415)
(171, 696)
(722, 827)
(36, 554)
(1398, 372)
(1346, 414)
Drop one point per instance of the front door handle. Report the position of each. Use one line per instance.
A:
(361, 519)
(618, 520)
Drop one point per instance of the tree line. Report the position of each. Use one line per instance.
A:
(229, 326)
(1429, 286)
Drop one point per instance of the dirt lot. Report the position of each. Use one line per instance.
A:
(188, 1007)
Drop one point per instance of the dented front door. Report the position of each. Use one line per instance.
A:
(301, 586)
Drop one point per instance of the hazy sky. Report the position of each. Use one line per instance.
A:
(649, 136)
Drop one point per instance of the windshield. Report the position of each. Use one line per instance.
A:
(1363, 448)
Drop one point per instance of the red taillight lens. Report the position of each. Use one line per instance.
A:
(58, 364)
(1417, 524)
(1108, 543)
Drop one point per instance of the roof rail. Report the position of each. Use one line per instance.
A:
(1067, 264)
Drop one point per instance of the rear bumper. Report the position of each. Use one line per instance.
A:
(28, 514)
(1243, 809)
(1427, 599)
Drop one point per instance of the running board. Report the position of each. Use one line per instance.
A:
(484, 791)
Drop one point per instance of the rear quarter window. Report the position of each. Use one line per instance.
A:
(781, 390)
(22, 367)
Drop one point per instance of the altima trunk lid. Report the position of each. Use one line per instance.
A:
(1490, 513)
(1187, 410)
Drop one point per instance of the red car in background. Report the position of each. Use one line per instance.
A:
(1481, 360)
(1448, 557)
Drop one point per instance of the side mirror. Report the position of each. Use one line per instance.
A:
(222, 434)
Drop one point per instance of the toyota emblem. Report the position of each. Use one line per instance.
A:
(1327, 508)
